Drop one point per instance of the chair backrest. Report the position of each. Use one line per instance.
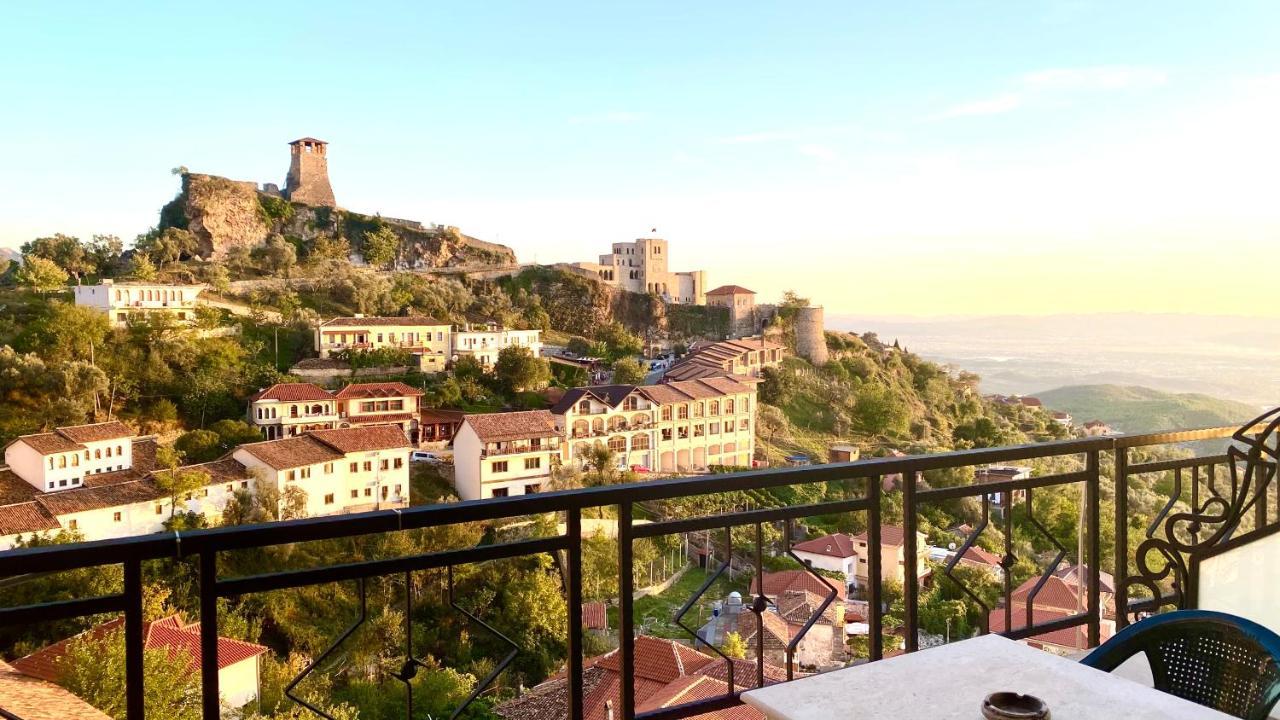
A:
(1213, 659)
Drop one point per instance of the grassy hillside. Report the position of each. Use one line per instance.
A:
(1131, 408)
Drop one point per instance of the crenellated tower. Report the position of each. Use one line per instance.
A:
(308, 180)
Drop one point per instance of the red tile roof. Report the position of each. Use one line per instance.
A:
(978, 555)
(837, 545)
(730, 290)
(777, 583)
(181, 640)
(65, 439)
(1075, 637)
(377, 390)
(413, 321)
(33, 699)
(1071, 575)
(292, 392)
(890, 535)
(363, 439)
(499, 427)
(1056, 594)
(292, 452)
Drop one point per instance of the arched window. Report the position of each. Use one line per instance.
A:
(728, 406)
(715, 407)
(597, 425)
(584, 407)
(97, 454)
(640, 441)
(617, 422)
(581, 428)
(618, 443)
(293, 411)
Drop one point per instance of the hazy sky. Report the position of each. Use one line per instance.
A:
(897, 158)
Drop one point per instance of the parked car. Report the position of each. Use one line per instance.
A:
(424, 456)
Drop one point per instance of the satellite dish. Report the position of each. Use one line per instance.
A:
(951, 546)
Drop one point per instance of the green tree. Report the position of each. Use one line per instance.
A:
(178, 483)
(40, 274)
(277, 256)
(380, 246)
(199, 445)
(233, 433)
(166, 246)
(64, 251)
(629, 371)
(104, 253)
(879, 410)
(518, 370)
(93, 668)
(141, 267)
(734, 646)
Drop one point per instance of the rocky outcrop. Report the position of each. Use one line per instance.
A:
(223, 213)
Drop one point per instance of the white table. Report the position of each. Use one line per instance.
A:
(949, 683)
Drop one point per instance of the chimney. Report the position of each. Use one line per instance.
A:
(608, 710)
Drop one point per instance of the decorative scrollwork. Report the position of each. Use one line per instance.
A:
(1252, 459)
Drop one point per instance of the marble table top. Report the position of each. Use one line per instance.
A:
(950, 682)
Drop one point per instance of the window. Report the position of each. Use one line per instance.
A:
(328, 499)
(305, 473)
(631, 403)
(62, 461)
(684, 432)
(368, 466)
(744, 424)
(386, 464)
(355, 467)
(291, 475)
(683, 412)
(108, 452)
(399, 463)
(397, 490)
(62, 483)
(697, 410)
(666, 413)
(498, 466)
(532, 463)
(715, 428)
(50, 462)
(499, 492)
(229, 486)
(97, 454)
(666, 433)
(244, 484)
(698, 430)
(115, 517)
(584, 406)
(328, 468)
(532, 488)
(728, 407)
(74, 524)
(355, 494)
(368, 492)
(159, 509)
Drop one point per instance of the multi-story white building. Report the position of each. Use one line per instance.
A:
(674, 427)
(382, 403)
(105, 496)
(502, 454)
(343, 470)
(485, 343)
(98, 480)
(290, 409)
(422, 336)
(119, 301)
(641, 267)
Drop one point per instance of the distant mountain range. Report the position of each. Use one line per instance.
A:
(10, 254)
(1136, 409)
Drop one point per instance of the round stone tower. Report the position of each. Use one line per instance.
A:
(308, 180)
(811, 337)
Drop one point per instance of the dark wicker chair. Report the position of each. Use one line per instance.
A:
(1213, 659)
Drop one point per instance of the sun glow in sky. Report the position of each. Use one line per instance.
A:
(909, 158)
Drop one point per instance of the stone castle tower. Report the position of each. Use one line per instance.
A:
(308, 180)
(811, 336)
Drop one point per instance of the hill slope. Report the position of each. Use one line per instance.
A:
(1132, 408)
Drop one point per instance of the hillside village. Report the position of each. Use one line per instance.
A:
(264, 355)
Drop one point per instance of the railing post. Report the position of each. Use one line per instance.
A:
(1095, 554)
(1120, 480)
(210, 702)
(573, 523)
(874, 629)
(133, 641)
(910, 578)
(626, 631)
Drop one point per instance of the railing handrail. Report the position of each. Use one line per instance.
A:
(103, 552)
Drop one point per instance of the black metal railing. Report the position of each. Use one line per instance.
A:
(1214, 514)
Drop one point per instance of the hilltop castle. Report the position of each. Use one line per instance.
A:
(308, 180)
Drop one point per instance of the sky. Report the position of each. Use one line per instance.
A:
(924, 158)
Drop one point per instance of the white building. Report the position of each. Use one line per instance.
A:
(119, 301)
(485, 343)
(98, 480)
(341, 471)
(674, 427)
(502, 454)
(101, 495)
(833, 552)
(291, 409)
(423, 336)
(641, 267)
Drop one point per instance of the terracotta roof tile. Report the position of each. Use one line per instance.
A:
(1056, 594)
(837, 545)
(181, 640)
(97, 432)
(27, 517)
(1074, 637)
(49, 443)
(363, 439)
(14, 489)
(777, 583)
(292, 392)
(414, 321)
(377, 390)
(498, 427)
(731, 290)
(34, 699)
(889, 535)
(292, 452)
(595, 616)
